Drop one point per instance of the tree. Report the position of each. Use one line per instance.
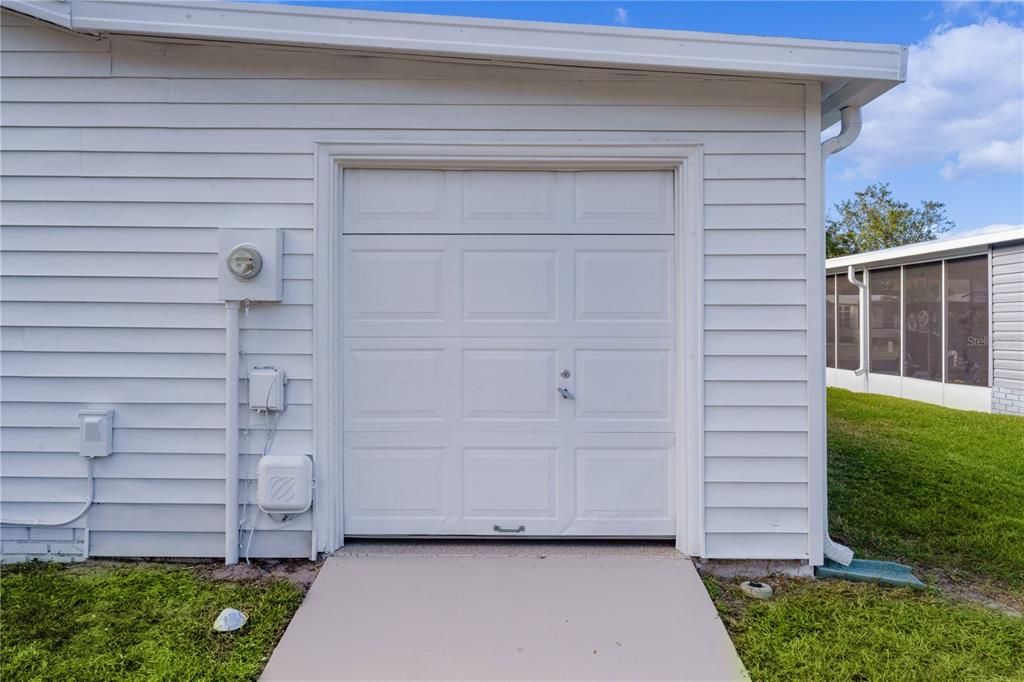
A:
(874, 219)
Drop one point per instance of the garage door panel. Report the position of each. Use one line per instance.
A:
(618, 286)
(510, 483)
(396, 481)
(624, 198)
(394, 284)
(509, 384)
(387, 200)
(624, 385)
(495, 199)
(548, 484)
(509, 286)
(396, 201)
(395, 384)
(616, 482)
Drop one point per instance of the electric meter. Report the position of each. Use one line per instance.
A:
(249, 264)
(245, 261)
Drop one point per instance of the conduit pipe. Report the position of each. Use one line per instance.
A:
(86, 504)
(849, 129)
(862, 297)
(231, 350)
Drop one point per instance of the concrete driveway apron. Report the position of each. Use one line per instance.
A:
(506, 611)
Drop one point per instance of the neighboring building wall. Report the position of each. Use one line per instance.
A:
(123, 157)
(1008, 329)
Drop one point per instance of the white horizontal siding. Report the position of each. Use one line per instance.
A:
(109, 390)
(749, 393)
(403, 116)
(150, 416)
(93, 340)
(122, 157)
(146, 440)
(755, 443)
(278, 543)
(756, 470)
(756, 545)
(1008, 316)
(756, 341)
(232, 141)
(183, 466)
(64, 164)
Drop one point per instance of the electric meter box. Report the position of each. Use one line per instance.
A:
(284, 484)
(250, 264)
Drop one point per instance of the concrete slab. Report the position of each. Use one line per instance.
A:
(470, 611)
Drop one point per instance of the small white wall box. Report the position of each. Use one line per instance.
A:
(95, 433)
(250, 264)
(284, 484)
(266, 389)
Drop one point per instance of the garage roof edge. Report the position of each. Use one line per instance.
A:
(936, 248)
(851, 73)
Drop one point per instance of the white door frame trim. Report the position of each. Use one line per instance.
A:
(686, 160)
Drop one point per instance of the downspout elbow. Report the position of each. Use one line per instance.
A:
(849, 130)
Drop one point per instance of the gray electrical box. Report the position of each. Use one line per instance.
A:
(266, 389)
(250, 264)
(95, 433)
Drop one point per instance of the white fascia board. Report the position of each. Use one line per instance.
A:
(54, 11)
(493, 39)
(853, 72)
(936, 248)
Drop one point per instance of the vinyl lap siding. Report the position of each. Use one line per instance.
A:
(1008, 319)
(122, 158)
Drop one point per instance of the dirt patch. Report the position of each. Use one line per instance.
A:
(300, 572)
(964, 588)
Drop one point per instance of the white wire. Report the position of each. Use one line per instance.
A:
(81, 512)
(245, 431)
(270, 426)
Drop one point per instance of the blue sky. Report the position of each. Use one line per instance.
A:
(953, 133)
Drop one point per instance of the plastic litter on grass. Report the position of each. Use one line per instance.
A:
(868, 571)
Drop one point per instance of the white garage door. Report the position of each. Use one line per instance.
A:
(508, 383)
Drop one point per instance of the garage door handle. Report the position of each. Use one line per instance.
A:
(564, 392)
(499, 529)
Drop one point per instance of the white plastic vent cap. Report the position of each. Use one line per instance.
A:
(284, 484)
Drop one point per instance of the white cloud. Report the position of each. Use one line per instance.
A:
(987, 229)
(621, 16)
(962, 106)
(996, 155)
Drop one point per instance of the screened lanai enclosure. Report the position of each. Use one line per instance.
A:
(941, 322)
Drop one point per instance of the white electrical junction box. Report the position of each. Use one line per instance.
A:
(95, 433)
(266, 389)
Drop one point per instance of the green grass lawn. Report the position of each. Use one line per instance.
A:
(135, 622)
(933, 487)
(940, 489)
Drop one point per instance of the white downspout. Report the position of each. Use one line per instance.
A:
(862, 297)
(231, 432)
(848, 132)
